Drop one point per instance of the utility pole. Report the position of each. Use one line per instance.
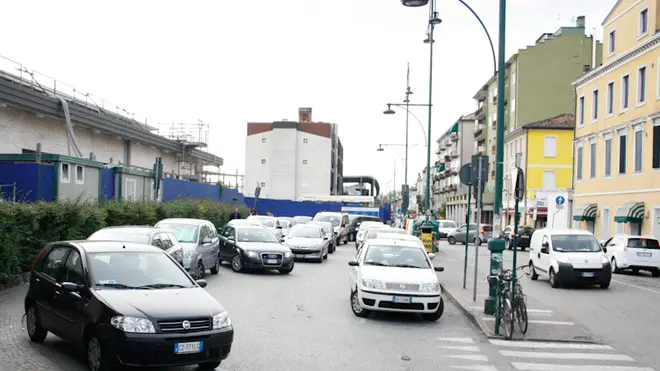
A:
(499, 155)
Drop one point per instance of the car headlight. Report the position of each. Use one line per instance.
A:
(251, 254)
(287, 254)
(604, 260)
(221, 320)
(373, 284)
(133, 324)
(561, 258)
(429, 287)
(189, 254)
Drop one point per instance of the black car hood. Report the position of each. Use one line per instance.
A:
(263, 247)
(162, 304)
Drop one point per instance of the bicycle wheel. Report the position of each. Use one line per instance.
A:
(506, 314)
(521, 314)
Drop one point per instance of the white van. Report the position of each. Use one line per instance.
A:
(634, 252)
(569, 256)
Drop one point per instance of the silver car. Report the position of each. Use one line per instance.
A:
(200, 241)
(329, 232)
(307, 242)
(164, 240)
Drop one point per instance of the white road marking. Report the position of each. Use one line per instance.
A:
(549, 367)
(475, 368)
(528, 310)
(457, 340)
(589, 356)
(548, 345)
(538, 322)
(467, 348)
(470, 357)
(636, 286)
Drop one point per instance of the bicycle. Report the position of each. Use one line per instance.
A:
(511, 306)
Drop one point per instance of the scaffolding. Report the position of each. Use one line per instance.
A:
(190, 136)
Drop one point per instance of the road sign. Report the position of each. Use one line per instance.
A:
(560, 200)
(484, 169)
(465, 174)
(520, 185)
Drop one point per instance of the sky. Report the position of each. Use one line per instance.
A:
(232, 62)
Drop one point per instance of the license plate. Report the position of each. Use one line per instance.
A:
(644, 254)
(187, 348)
(588, 274)
(401, 299)
(300, 256)
(272, 261)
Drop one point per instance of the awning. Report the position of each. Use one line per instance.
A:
(585, 213)
(631, 212)
(441, 168)
(454, 129)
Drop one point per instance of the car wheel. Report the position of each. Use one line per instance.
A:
(237, 263)
(533, 275)
(509, 244)
(216, 267)
(655, 273)
(346, 240)
(615, 269)
(605, 285)
(357, 307)
(286, 270)
(451, 240)
(437, 314)
(98, 358)
(553, 278)
(35, 331)
(209, 365)
(477, 241)
(326, 255)
(198, 272)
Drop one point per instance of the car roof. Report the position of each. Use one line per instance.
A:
(285, 217)
(184, 221)
(557, 231)
(646, 236)
(394, 242)
(248, 226)
(134, 229)
(319, 222)
(244, 222)
(261, 217)
(398, 236)
(110, 246)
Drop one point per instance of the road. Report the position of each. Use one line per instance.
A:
(303, 321)
(623, 316)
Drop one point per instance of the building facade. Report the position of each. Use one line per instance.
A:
(545, 153)
(288, 159)
(617, 138)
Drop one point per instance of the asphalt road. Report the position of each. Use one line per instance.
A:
(623, 316)
(303, 321)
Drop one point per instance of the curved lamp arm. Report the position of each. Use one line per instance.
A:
(490, 41)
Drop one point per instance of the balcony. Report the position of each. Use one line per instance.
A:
(481, 149)
(453, 188)
(479, 130)
(453, 137)
(493, 124)
(479, 113)
(453, 172)
(447, 157)
(493, 149)
(453, 154)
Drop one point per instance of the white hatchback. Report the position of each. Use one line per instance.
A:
(634, 252)
(395, 275)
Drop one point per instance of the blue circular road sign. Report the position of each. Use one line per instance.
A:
(560, 200)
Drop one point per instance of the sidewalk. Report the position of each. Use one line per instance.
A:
(545, 324)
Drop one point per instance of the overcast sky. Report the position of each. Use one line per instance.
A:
(231, 62)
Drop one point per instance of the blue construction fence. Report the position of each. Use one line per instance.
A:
(27, 182)
(304, 208)
(175, 188)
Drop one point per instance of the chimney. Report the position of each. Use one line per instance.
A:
(586, 68)
(580, 22)
(304, 114)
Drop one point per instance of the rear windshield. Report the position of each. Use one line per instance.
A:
(528, 231)
(643, 243)
(448, 224)
(487, 228)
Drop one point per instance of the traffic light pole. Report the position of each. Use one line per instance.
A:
(499, 144)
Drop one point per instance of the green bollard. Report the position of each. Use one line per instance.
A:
(496, 247)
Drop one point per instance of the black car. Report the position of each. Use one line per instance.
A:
(524, 238)
(108, 299)
(248, 247)
(354, 222)
(158, 237)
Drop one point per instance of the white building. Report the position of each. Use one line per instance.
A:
(290, 159)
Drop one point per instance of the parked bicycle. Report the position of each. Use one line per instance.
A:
(512, 307)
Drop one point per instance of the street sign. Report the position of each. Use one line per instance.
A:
(560, 200)
(465, 174)
(484, 169)
(520, 185)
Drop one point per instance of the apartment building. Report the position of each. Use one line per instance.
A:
(290, 159)
(617, 138)
(455, 149)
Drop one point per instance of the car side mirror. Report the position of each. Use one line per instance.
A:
(206, 240)
(201, 283)
(439, 269)
(231, 239)
(353, 263)
(545, 248)
(326, 238)
(431, 255)
(605, 249)
(71, 287)
(282, 239)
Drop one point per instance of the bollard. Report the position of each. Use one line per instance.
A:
(496, 247)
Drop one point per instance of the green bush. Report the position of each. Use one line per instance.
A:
(26, 228)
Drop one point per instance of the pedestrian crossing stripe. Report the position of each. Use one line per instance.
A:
(466, 348)
(469, 357)
(457, 340)
(549, 345)
(547, 367)
(567, 356)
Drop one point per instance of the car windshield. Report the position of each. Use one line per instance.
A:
(305, 231)
(575, 243)
(397, 230)
(302, 219)
(186, 233)
(643, 243)
(119, 235)
(285, 224)
(396, 256)
(448, 224)
(368, 224)
(135, 270)
(528, 231)
(352, 217)
(256, 234)
(267, 222)
(326, 227)
(334, 220)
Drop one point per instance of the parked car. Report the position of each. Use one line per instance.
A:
(339, 222)
(633, 252)
(269, 222)
(461, 234)
(302, 219)
(249, 247)
(446, 226)
(329, 232)
(524, 238)
(308, 242)
(395, 276)
(362, 230)
(200, 242)
(163, 239)
(285, 224)
(354, 222)
(569, 256)
(125, 304)
(253, 222)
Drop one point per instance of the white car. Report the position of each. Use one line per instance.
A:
(362, 231)
(634, 252)
(568, 256)
(269, 222)
(395, 276)
(251, 222)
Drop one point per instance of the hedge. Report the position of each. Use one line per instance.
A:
(26, 227)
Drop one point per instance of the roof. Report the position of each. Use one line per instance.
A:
(611, 12)
(134, 229)
(559, 122)
(113, 246)
(395, 242)
(558, 231)
(398, 236)
(183, 221)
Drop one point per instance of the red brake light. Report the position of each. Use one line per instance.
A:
(37, 258)
(483, 229)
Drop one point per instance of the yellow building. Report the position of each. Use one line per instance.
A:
(617, 138)
(545, 151)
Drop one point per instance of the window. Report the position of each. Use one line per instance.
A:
(610, 98)
(131, 190)
(622, 153)
(54, 263)
(643, 22)
(65, 175)
(263, 160)
(581, 111)
(608, 157)
(611, 45)
(592, 160)
(641, 85)
(304, 162)
(513, 78)
(80, 174)
(165, 239)
(263, 184)
(656, 144)
(549, 179)
(156, 241)
(625, 92)
(578, 163)
(263, 140)
(594, 105)
(305, 140)
(639, 137)
(549, 146)
(513, 105)
(73, 270)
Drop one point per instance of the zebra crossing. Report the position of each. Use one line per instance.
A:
(500, 355)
